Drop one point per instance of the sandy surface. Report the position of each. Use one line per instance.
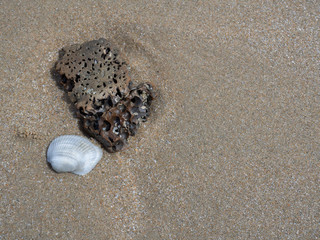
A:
(231, 150)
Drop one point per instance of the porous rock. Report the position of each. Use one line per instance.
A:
(97, 81)
(114, 126)
(92, 72)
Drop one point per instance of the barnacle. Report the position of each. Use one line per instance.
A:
(98, 83)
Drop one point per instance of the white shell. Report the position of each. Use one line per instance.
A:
(70, 153)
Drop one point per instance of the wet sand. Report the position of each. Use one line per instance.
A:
(231, 150)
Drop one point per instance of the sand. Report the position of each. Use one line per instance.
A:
(231, 150)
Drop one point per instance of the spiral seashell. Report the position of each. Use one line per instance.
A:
(75, 154)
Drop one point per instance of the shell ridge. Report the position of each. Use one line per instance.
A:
(71, 150)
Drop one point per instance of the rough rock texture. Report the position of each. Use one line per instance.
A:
(91, 73)
(98, 83)
(114, 126)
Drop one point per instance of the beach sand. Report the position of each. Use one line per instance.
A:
(231, 150)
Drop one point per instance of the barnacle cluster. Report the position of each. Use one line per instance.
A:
(97, 81)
